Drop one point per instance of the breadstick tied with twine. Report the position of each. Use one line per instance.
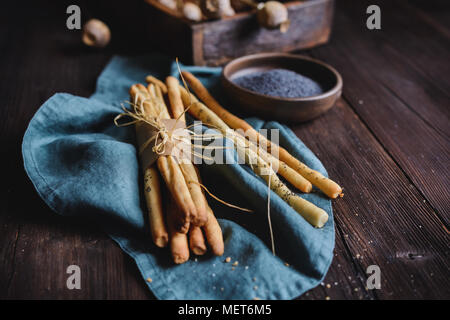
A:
(152, 194)
(329, 187)
(169, 168)
(212, 229)
(187, 168)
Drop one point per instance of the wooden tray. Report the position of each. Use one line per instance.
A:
(215, 42)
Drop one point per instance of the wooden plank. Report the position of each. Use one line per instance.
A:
(37, 245)
(436, 13)
(48, 245)
(344, 280)
(421, 150)
(411, 58)
(383, 219)
(9, 233)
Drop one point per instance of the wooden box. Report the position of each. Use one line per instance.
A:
(215, 42)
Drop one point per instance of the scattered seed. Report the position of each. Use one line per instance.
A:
(221, 289)
(149, 279)
(254, 279)
(327, 298)
(256, 298)
(356, 289)
(328, 285)
(255, 287)
(228, 259)
(235, 263)
(286, 264)
(232, 268)
(246, 267)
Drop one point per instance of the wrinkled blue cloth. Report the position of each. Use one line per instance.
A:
(82, 165)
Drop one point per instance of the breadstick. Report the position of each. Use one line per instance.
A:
(296, 179)
(197, 241)
(176, 103)
(199, 216)
(174, 180)
(152, 192)
(213, 233)
(151, 79)
(329, 187)
(293, 177)
(169, 168)
(314, 215)
(178, 241)
(197, 195)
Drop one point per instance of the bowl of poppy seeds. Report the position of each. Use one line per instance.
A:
(281, 86)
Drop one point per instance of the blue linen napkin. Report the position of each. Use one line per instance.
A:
(82, 165)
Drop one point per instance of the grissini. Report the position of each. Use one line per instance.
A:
(328, 186)
(152, 193)
(186, 166)
(178, 241)
(169, 168)
(313, 214)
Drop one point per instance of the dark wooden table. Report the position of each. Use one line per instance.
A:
(386, 141)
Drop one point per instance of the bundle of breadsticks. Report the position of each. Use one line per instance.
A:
(189, 221)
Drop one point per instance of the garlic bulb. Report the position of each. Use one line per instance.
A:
(192, 11)
(96, 33)
(273, 15)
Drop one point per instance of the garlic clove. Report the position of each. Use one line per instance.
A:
(96, 33)
(217, 8)
(273, 15)
(192, 11)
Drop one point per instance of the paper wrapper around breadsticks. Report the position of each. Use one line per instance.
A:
(179, 149)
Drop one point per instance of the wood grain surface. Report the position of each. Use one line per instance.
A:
(386, 141)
